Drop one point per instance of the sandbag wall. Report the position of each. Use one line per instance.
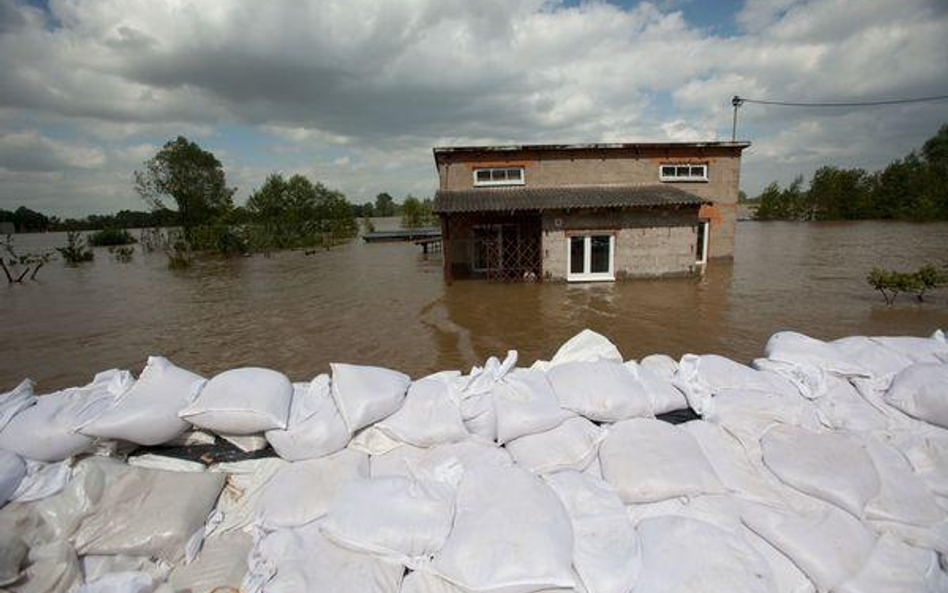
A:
(822, 466)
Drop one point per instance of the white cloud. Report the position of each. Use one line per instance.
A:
(366, 88)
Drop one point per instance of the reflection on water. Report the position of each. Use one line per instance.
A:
(386, 304)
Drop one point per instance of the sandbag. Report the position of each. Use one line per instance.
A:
(881, 360)
(12, 471)
(586, 346)
(43, 480)
(15, 401)
(701, 377)
(51, 568)
(525, 403)
(242, 401)
(681, 555)
(469, 454)
(606, 553)
(13, 551)
(221, 563)
(246, 481)
(476, 392)
(830, 466)
(571, 445)
(314, 428)
(932, 349)
(796, 348)
(648, 460)
(174, 464)
(829, 545)
(120, 582)
(431, 413)
(664, 396)
(403, 518)
(602, 390)
(301, 492)
(302, 559)
(842, 407)
(45, 431)
(662, 365)
(896, 567)
(366, 394)
(96, 567)
(921, 391)
(902, 495)
(149, 513)
(510, 533)
(147, 414)
(749, 414)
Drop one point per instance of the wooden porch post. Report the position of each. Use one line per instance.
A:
(445, 247)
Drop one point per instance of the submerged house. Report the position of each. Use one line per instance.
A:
(586, 212)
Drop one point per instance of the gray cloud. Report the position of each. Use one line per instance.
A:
(380, 83)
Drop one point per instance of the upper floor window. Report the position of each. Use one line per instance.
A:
(499, 176)
(683, 172)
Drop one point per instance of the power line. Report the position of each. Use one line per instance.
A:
(740, 100)
(737, 101)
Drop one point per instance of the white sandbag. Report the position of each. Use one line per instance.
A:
(301, 492)
(469, 454)
(602, 390)
(148, 413)
(681, 555)
(933, 349)
(479, 416)
(12, 471)
(13, 551)
(314, 428)
(96, 567)
(749, 414)
(829, 545)
(842, 407)
(586, 346)
(246, 482)
(786, 576)
(431, 413)
(120, 582)
(42, 480)
(15, 401)
(830, 466)
(929, 537)
(476, 392)
(403, 518)
(921, 391)
(606, 552)
(248, 443)
(896, 567)
(302, 559)
(662, 365)
(927, 452)
(366, 394)
(664, 396)
(172, 464)
(700, 377)
(51, 568)
(796, 348)
(809, 380)
(648, 460)
(149, 513)
(371, 440)
(902, 495)
(720, 510)
(881, 360)
(731, 463)
(511, 533)
(221, 563)
(45, 431)
(242, 401)
(571, 445)
(525, 403)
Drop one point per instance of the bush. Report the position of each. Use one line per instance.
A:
(76, 250)
(122, 253)
(110, 237)
(890, 283)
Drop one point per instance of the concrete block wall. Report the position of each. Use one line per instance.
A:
(648, 243)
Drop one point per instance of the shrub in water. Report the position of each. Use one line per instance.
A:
(108, 237)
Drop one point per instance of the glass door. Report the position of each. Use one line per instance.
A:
(591, 257)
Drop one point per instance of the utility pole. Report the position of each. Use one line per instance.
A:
(736, 102)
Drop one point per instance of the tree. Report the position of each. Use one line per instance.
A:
(384, 205)
(293, 212)
(189, 175)
(416, 213)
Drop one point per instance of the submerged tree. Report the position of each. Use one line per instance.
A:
(190, 176)
(17, 265)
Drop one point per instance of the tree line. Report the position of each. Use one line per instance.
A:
(911, 188)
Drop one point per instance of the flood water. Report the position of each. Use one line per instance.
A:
(386, 304)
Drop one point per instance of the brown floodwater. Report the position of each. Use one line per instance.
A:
(386, 304)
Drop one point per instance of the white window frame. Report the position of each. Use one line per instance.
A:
(520, 181)
(678, 178)
(704, 248)
(586, 275)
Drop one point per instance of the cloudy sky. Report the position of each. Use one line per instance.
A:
(355, 93)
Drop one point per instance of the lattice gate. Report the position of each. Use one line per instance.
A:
(500, 248)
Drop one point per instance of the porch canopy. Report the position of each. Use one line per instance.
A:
(513, 199)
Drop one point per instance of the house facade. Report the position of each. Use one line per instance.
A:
(591, 212)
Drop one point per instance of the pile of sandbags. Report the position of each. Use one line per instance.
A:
(822, 466)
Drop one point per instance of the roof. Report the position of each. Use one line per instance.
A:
(510, 199)
(444, 150)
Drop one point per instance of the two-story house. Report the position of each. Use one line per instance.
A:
(588, 212)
